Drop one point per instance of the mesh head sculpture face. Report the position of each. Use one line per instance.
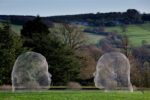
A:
(113, 72)
(30, 72)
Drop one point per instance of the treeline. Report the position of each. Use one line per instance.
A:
(131, 16)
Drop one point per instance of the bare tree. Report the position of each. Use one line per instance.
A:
(125, 40)
(72, 36)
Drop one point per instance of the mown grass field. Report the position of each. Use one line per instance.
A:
(93, 38)
(136, 33)
(15, 28)
(75, 95)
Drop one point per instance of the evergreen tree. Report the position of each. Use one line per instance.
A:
(10, 48)
(63, 64)
(33, 29)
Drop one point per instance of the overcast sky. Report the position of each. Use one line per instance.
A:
(65, 7)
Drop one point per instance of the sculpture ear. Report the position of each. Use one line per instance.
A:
(15, 80)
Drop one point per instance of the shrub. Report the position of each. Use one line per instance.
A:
(74, 86)
(5, 87)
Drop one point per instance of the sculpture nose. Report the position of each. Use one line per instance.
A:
(94, 74)
(50, 75)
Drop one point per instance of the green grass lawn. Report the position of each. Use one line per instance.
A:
(75, 95)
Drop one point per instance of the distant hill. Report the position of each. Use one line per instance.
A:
(131, 16)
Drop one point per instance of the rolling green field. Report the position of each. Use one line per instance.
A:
(75, 95)
(93, 38)
(136, 33)
(15, 28)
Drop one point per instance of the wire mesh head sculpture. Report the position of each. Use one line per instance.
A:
(113, 72)
(30, 72)
(113, 68)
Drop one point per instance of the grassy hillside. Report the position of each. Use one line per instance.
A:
(93, 38)
(136, 33)
(75, 95)
(15, 28)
